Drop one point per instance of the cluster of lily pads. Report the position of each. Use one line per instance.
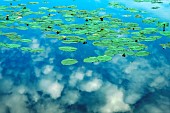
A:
(105, 31)
(153, 1)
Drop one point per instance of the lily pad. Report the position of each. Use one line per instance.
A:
(68, 48)
(104, 58)
(142, 53)
(90, 59)
(69, 61)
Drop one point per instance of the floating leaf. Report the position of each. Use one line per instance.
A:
(68, 48)
(69, 61)
(142, 53)
(104, 58)
(90, 59)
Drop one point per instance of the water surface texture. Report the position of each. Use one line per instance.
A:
(85, 56)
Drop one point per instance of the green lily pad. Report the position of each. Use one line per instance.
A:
(165, 33)
(25, 40)
(166, 45)
(69, 61)
(90, 59)
(68, 48)
(104, 58)
(142, 53)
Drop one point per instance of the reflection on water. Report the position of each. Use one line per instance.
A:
(93, 56)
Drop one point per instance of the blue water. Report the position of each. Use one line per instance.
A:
(39, 83)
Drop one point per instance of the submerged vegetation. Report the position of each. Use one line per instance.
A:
(105, 31)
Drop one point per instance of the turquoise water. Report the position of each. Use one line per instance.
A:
(38, 82)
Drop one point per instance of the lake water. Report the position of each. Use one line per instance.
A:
(84, 56)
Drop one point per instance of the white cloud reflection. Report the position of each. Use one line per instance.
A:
(115, 86)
